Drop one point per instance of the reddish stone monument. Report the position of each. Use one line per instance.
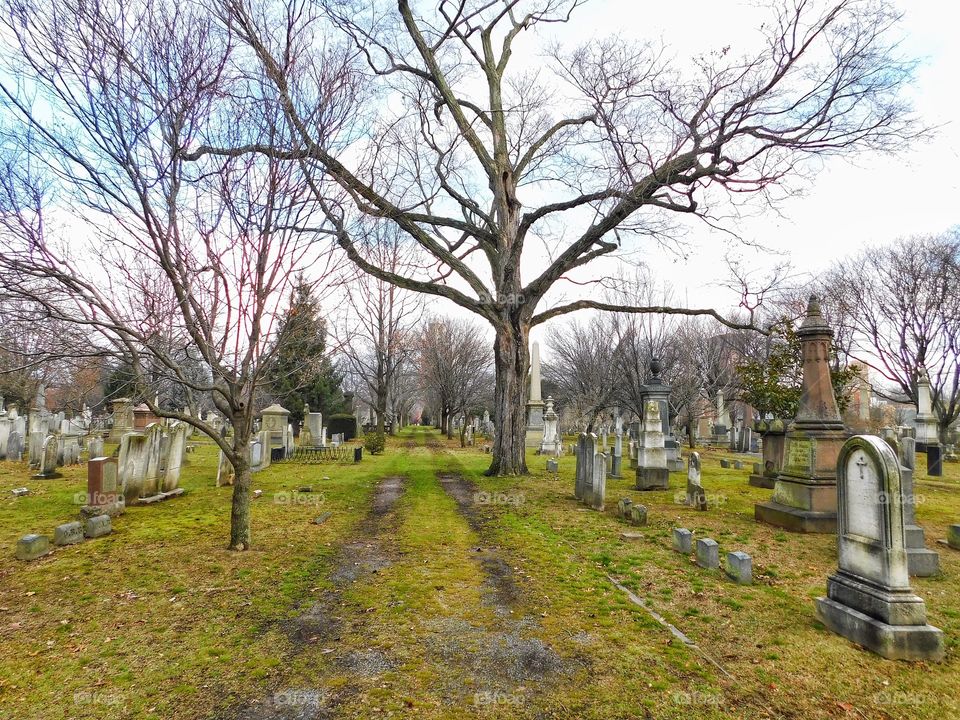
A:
(805, 492)
(104, 494)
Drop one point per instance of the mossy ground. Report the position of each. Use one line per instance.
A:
(160, 620)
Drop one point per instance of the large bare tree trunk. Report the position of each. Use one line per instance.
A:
(511, 360)
(240, 506)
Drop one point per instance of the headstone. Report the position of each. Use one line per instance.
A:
(6, 425)
(708, 553)
(869, 599)
(696, 497)
(95, 447)
(908, 453)
(48, 460)
(724, 463)
(682, 540)
(98, 526)
(638, 514)
(552, 465)
(173, 457)
(652, 473)
(68, 534)
(598, 489)
(953, 536)
(122, 418)
(740, 567)
(925, 421)
(14, 446)
(275, 420)
(738, 464)
(617, 462)
(104, 493)
(921, 562)
(132, 466)
(934, 460)
(31, 547)
(623, 507)
(225, 474)
(805, 493)
(534, 435)
(20, 492)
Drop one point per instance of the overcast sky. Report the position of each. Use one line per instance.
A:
(869, 200)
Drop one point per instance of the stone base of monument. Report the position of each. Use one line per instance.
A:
(534, 438)
(762, 481)
(159, 497)
(112, 509)
(922, 562)
(890, 624)
(653, 478)
(795, 519)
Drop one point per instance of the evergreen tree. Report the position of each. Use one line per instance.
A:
(301, 372)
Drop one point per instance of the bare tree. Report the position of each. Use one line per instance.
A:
(900, 307)
(454, 362)
(203, 252)
(378, 327)
(485, 165)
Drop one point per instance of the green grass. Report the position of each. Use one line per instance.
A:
(159, 620)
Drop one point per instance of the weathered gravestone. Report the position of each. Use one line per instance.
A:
(104, 494)
(921, 562)
(48, 459)
(774, 443)
(638, 514)
(552, 465)
(708, 553)
(95, 447)
(934, 460)
(598, 488)
(623, 507)
(739, 567)
(225, 472)
(98, 526)
(31, 547)
(14, 446)
(953, 537)
(869, 599)
(132, 466)
(617, 462)
(682, 540)
(174, 451)
(696, 497)
(68, 534)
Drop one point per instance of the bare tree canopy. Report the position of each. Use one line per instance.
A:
(900, 307)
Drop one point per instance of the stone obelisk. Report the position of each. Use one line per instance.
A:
(805, 491)
(535, 403)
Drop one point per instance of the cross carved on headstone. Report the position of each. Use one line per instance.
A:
(862, 463)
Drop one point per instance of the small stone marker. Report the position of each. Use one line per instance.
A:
(623, 507)
(30, 547)
(98, 526)
(20, 492)
(257, 493)
(631, 536)
(682, 540)
(696, 497)
(869, 599)
(738, 464)
(68, 534)
(724, 463)
(638, 514)
(306, 489)
(953, 536)
(321, 519)
(708, 553)
(740, 567)
(552, 465)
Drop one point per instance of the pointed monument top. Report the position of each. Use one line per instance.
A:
(813, 306)
(814, 323)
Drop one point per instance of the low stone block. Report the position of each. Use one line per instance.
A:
(98, 526)
(708, 553)
(953, 536)
(623, 507)
(632, 536)
(257, 493)
(553, 466)
(738, 465)
(20, 492)
(321, 519)
(638, 514)
(306, 489)
(69, 533)
(724, 463)
(740, 567)
(682, 540)
(30, 547)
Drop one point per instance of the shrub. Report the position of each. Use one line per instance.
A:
(374, 442)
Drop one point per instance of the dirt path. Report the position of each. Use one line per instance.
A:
(370, 552)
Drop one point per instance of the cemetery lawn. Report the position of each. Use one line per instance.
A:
(431, 591)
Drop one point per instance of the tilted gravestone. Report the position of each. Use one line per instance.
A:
(48, 458)
(696, 497)
(14, 446)
(869, 599)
